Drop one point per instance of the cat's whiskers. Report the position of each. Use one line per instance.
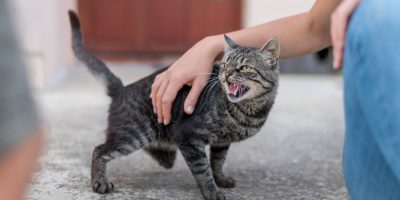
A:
(212, 79)
(209, 83)
(211, 89)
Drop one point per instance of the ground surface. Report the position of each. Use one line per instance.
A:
(297, 155)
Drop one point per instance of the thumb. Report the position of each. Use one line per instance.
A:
(194, 94)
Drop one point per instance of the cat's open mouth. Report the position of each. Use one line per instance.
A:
(237, 90)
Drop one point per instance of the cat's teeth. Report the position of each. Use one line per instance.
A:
(234, 88)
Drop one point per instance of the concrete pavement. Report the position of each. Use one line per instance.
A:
(297, 154)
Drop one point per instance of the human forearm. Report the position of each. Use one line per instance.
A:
(294, 33)
(298, 35)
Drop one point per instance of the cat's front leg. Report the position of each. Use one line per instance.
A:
(217, 159)
(196, 158)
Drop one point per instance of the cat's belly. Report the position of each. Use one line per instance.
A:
(163, 144)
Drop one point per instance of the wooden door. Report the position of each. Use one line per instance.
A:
(154, 26)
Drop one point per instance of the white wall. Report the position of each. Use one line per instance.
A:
(44, 34)
(260, 11)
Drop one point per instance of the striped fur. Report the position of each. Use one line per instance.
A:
(218, 120)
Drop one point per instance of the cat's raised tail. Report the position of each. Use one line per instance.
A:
(97, 67)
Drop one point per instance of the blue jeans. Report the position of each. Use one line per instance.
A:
(371, 157)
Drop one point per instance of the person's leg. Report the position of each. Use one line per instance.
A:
(371, 157)
(18, 165)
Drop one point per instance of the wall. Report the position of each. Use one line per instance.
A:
(260, 11)
(44, 34)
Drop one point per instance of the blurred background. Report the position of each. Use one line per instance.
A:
(296, 155)
(140, 31)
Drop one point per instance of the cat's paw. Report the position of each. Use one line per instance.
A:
(102, 186)
(167, 164)
(219, 195)
(225, 182)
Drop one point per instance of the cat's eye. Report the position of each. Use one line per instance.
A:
(224, 66)
(245, 68)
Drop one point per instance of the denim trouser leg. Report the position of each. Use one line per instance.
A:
(371, 157)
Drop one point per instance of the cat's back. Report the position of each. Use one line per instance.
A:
(135, 105)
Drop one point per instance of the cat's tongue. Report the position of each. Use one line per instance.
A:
(233, 88)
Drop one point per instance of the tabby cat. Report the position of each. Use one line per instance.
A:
(233, 107)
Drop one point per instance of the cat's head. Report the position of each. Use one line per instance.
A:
(248, 73)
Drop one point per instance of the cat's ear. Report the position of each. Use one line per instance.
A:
(271, 48)
(229, 44)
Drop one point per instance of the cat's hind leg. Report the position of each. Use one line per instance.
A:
(163, 153)
(117, 144)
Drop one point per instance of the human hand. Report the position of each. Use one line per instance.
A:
(194, 69)
(339, 21)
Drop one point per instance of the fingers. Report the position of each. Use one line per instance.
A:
(193, 96)
(168, 98)
(154, 90)
(164, 91)
(338, 38)
(163, 94)
(159, 97)
(339, 21)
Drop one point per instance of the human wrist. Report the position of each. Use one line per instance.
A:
(214, 44)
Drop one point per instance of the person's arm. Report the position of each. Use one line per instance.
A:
(298, 35)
